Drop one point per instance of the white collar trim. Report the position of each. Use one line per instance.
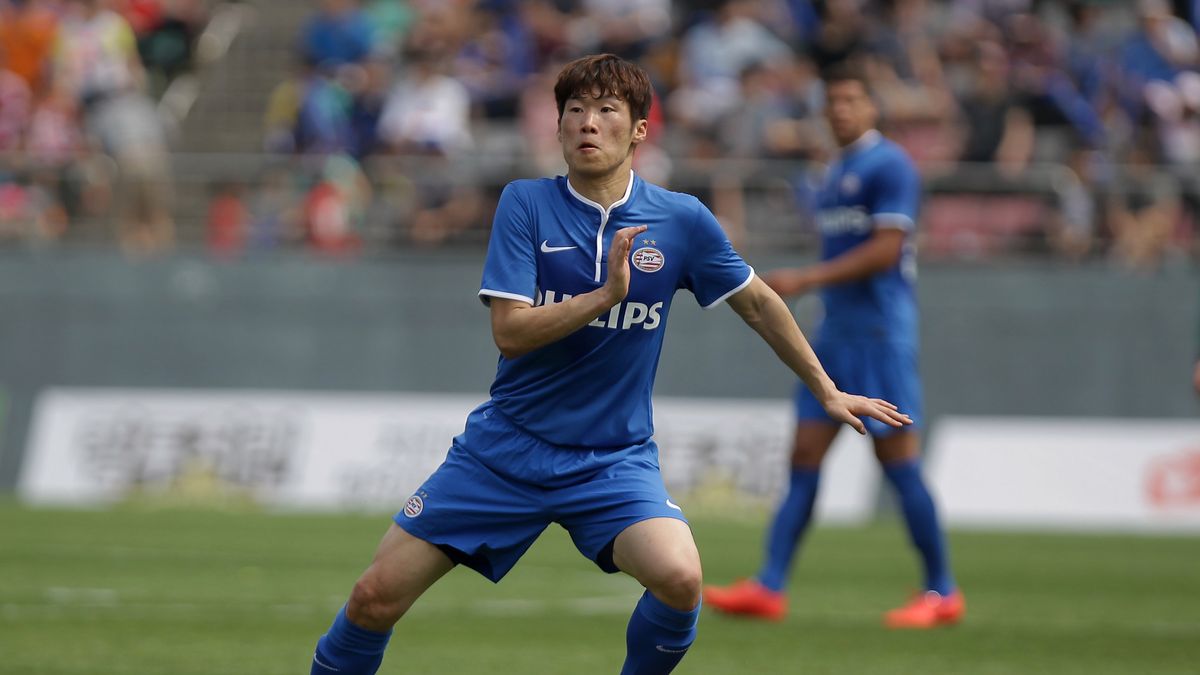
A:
(869, 138)
(596, 205)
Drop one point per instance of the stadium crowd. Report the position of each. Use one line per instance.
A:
(1069, 127)
(79, 130)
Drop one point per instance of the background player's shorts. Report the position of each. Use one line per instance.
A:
(499, 488)
(871, 368)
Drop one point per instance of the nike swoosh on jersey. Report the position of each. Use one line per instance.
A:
(674, 506)
(547, 248)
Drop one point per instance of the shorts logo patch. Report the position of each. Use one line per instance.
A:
(648, 259)
(414, 506)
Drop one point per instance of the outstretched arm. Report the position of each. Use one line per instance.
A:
(764, 311)
(519, 328)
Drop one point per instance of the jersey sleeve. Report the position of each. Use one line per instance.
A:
(895, 195)
(510, 270)
(713, 271)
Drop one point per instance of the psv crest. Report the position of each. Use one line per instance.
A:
(414, 506)
(647, 258)
(851, 184)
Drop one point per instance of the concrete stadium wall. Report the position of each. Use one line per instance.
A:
(1021, 339)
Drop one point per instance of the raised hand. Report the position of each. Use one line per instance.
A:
(618, 262)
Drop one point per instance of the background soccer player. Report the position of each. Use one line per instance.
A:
(580, 273)
(868, 341)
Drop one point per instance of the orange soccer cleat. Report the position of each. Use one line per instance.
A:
(747, 598)
(928, 610)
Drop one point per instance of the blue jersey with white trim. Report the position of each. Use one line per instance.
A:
(549, 243)
(872, 185)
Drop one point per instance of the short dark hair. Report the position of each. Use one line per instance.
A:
(605, 75)
(846, 71)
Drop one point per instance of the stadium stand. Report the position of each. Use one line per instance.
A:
(1067, 129)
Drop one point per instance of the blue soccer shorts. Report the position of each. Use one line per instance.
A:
(500, 487)
(871, 368)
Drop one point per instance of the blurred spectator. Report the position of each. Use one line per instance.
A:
(368, 85)
(69, 183)
(27, 33)
(441, 27)
(1161, 48)
(1042, 82)
(338, 33)
(275, 212)
(1088, 59)
(1071, 231)
(906, 75)
(282, 116)
(627, 28)
(840, 35)
(323, 123)
(1143, 209)
(1176, 109)
(548, 26)
(539, 123)
(166, 36)
(427, 112)
(997, 128)
(495, 62)
(97, 65)
(227, 220)
(16, 103)
(334, 208)
(389, 21)
(761, 103)
(713, 55)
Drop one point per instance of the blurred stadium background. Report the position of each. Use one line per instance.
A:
(239, 249)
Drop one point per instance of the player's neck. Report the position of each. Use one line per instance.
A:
(866, 138)
(605, 190)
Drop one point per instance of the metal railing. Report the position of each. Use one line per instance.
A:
(970, 210)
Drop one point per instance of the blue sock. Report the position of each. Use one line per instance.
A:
(791, 520)
(922, 520)
(349, 650)
(657, 637)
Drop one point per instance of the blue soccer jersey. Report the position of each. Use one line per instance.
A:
(872, 185)
(549, 243)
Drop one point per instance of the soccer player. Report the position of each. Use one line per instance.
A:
(579, 277)
(867, 210)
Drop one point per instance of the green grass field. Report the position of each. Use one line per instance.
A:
(183, 592)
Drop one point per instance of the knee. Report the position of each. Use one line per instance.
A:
(807, 455)
(679, 585)
(371, 606)
(896, 455)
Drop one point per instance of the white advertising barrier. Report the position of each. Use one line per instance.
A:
(333, 451)
(1068, 473)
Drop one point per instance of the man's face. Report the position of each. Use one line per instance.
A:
(597, 134)
(850, 111)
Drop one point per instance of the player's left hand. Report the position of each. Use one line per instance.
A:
(849, 408)
(789, 282)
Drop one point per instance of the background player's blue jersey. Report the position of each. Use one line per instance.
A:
(549, 243)
(872, 185)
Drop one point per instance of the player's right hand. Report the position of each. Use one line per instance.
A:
(617, 283)
(849, 408)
